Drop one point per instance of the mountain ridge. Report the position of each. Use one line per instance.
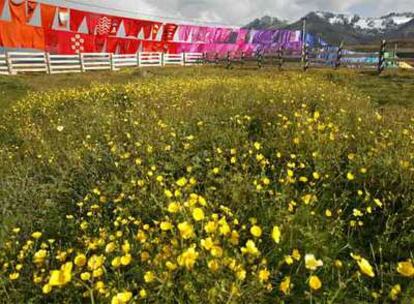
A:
(348, 28)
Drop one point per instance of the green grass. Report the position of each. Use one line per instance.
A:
(94, 161)
(391, 88)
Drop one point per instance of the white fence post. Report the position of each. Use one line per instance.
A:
(82, 64)
(162, 59)
(9, 62)
(48, 63)
(139, 59)
(111, 57)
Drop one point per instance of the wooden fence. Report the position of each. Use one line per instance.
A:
(317, 58)
(13, 63)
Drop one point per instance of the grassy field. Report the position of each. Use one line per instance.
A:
(203, 185)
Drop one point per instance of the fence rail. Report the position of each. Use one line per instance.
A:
(13, 63)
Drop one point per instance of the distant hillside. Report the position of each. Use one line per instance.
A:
(267, 22)
(352, 29)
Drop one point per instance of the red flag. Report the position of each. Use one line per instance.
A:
(100, 42)
(64, 42)
(155, 29)
(115, 24)
(122, 45)
(76, 19)
(112, 44)
(147, 26)
(132, 27)
(1, 7)
(129, 46)
(92, 21)
(18, 11)
(169, 31)
(47, 14)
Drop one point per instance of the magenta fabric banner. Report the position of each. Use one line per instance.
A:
(106, 33)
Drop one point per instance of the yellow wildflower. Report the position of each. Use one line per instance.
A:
(250, 248)
(96, 262)
(36, 235)
(315, 283)
(149, 277)
(122, 298)
(14, 276)
(165, 226)
(188, 258)
(80, 260)
(296, 254)
(366, 267)
(198, 214)
(40, 256)
(85, 276)
(395, 292)
(350, 176)
(110, 247)
(276, 234)
(126, 259)
(312, 263)
(181, 182)
(285, 285)
(256, 231)
(186, 230)
(116, 262)
(213, 265)
(207, 243)
(406, 268)
(47, 288)
(173, 207)
(61, 277)
(143, 293)
(264, 275)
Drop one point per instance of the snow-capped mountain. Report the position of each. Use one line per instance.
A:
(349, 28)
(381, 24)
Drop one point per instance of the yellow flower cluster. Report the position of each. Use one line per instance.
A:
(159, 191)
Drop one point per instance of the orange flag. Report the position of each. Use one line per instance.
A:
(48, 15)
(18, 11)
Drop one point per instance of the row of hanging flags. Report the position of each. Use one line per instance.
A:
(27, 24)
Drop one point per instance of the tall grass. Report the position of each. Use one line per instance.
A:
(103, 171)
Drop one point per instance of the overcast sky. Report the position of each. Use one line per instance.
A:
(240, 12)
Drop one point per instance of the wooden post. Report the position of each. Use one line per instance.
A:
(228, 61)
(339, 56)
(48, 63)
(280, 58)
(381, 57)
(9, 62)
(305, 57)
(82, 64)
(259, 59)
(242, 58)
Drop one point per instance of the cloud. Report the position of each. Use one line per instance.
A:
(239, 12)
